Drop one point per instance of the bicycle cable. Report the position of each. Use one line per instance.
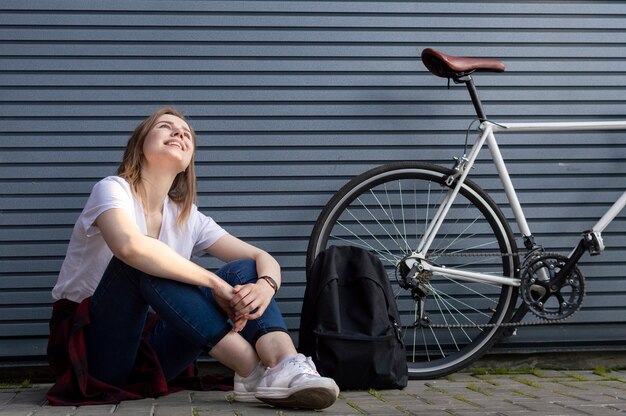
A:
(469, 128)
(467, 132)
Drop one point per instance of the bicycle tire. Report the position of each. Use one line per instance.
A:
(369, 212)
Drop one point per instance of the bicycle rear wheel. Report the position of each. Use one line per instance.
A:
(386, 210)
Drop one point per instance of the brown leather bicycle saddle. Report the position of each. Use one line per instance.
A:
(448, 66)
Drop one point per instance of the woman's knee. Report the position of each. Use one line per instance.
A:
(239, 272)
(189, 309)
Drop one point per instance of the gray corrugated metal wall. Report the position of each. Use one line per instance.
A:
(291, 99)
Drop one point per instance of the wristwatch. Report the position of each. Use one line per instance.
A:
(270, 281)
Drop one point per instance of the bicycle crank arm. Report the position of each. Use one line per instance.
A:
(519, 314)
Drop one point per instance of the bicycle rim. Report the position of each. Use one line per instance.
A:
(386, 210)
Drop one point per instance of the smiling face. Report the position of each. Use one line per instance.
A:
(169, 144)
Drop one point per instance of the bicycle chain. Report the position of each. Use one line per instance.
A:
(501, 324)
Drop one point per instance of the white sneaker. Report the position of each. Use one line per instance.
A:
(296, 383)
(245, 387)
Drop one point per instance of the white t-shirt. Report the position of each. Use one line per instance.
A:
(88, 255)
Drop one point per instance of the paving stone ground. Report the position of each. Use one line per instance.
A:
(540, 393)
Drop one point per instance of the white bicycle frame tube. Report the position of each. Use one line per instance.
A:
(488, 128)
(619, 205)
(441, 213)
(610, 214)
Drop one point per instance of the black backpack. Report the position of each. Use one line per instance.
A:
(350, 323)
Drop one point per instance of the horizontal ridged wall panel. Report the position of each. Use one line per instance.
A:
(291, 99)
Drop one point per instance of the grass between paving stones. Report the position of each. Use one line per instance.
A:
(420, 398)
(25, 384)
(402, 409)
(599, 371)
(527, 382)
(430, 387)
(573, 385)
(466, 400)
(479, 389)
(507, 371)
(606, 373)
(356, 407)
(524, 393)
(377, 395)
(570, 395)
(579, 377)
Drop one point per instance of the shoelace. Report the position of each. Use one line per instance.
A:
(306, 365)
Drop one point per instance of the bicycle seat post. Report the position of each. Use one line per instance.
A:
(471, 88)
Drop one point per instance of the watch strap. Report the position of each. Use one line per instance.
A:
(270, 281)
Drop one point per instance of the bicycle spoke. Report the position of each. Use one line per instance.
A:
(389, 216)
(461, 233)
(443, 315)
(469, 289)
(364, 244)
(463, 304)
(403, 217)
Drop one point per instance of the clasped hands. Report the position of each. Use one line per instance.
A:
(243, 302)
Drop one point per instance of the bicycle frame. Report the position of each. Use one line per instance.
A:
(463, 167)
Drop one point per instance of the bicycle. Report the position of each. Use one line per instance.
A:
(449, 250)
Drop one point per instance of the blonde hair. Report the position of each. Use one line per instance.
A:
(183, 190)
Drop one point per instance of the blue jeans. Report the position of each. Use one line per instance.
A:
(191, 321)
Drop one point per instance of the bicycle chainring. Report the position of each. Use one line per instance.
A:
(540, 294)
